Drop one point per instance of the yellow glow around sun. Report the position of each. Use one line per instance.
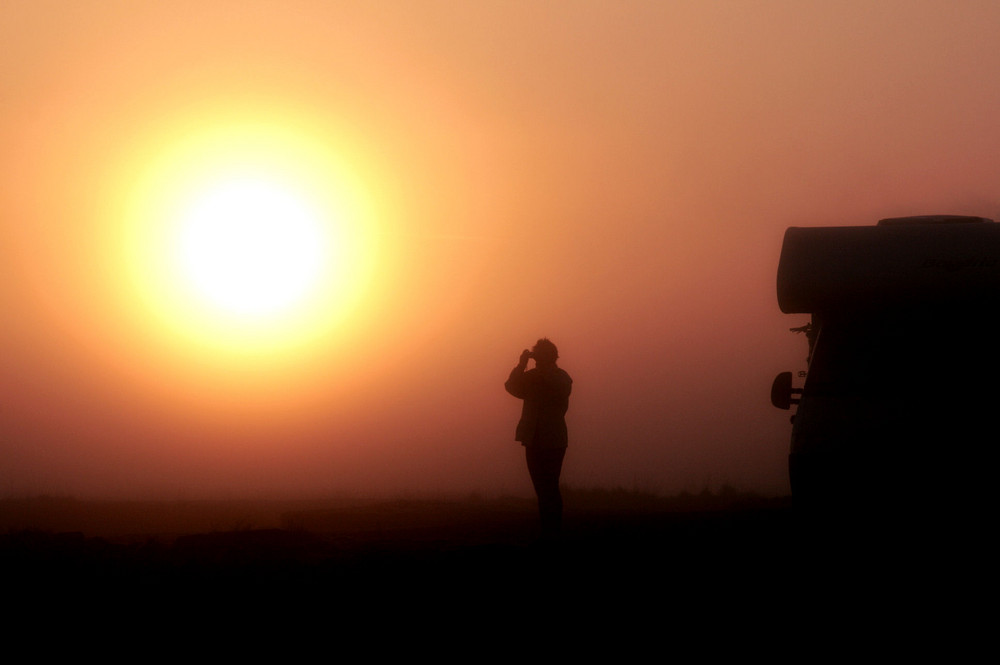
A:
(247, 237)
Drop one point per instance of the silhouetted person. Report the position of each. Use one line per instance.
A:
(542, 428)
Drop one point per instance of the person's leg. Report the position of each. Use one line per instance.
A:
(545, 465)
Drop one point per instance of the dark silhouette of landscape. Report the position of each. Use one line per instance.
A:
(629, 544)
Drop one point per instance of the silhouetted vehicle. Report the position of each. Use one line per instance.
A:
(899, 404)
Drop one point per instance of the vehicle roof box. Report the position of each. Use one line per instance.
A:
(897, 263)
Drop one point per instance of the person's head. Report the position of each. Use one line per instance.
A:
(545, 352)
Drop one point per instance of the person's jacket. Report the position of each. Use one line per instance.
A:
(545, 392)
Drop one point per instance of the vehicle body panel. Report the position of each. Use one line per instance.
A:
(902, 379)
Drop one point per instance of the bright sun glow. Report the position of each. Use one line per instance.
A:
(248, 238)
(252, 247)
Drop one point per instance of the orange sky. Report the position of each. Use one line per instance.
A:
(616, 176)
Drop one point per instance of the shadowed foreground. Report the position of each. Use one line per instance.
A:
(740, 558)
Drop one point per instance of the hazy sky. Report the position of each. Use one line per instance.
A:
(616, 176)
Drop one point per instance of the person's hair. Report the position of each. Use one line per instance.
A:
(545, 351)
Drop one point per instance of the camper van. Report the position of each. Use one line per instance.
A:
(899, 403)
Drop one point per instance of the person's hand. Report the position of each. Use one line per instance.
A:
(525, 356)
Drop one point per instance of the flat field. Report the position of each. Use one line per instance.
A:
(738, 557)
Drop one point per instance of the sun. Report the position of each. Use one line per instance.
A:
(247, 239)
(252, 247)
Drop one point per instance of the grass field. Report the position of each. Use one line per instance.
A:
(726, 556)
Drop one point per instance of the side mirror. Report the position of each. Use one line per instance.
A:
(782, 391)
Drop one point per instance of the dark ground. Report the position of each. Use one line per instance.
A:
(623, 558)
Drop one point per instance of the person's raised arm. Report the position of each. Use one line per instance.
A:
(515, 382)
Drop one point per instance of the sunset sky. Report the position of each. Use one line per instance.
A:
(454, 180)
